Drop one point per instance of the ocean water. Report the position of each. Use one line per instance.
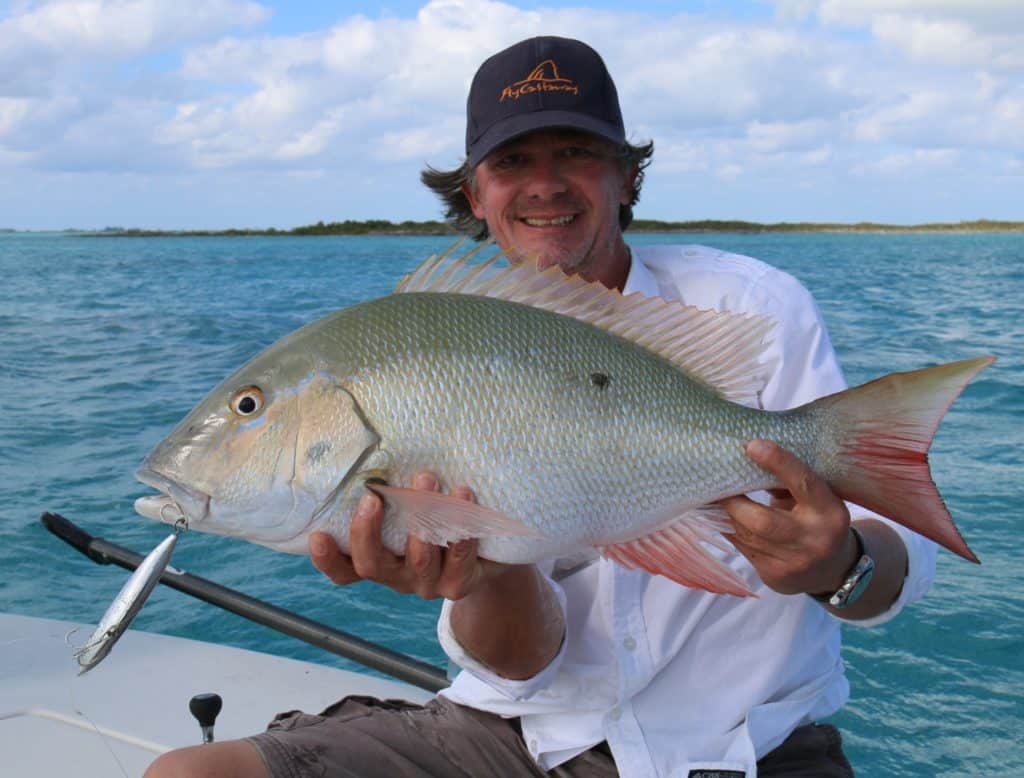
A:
(105, 343)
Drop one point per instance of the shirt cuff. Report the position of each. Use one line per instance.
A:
(921, 554)
(512, 689)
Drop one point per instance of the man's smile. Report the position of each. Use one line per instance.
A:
(552, 221)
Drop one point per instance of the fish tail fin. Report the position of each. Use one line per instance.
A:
(885, 428)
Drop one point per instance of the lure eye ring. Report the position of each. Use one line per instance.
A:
(247, 401)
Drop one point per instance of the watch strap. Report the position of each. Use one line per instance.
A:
(856, 580)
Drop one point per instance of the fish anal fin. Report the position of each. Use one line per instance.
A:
(676, 552)
(442, 519)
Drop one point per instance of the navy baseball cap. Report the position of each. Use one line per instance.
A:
(540, 83)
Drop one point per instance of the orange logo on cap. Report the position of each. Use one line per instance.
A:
(543, 78)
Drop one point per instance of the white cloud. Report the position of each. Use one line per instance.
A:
(420, 144)
(983, 14)
(204, 88)
(729, 172)
(918, 160)
(676, 156)
(906, 112)
(66, 30)
(719, 74)
(12, 111)
(817, 157)
(311, 142)
(982, 33)
(785, 136)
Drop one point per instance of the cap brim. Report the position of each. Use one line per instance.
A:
(520, 124)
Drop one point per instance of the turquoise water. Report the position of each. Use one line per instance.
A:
(106, 343)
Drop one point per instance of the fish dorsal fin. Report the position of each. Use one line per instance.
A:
(721, 350)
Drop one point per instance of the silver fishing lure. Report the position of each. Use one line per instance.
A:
(126, 605)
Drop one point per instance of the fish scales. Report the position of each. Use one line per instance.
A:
(502, 397)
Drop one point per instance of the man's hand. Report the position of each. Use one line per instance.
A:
(505, 616)
(425, 569)
(801, 542)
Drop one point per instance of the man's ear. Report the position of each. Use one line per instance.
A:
(474, 201)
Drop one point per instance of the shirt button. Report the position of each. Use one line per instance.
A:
(615, 714)
(629, 644)
(533, 746)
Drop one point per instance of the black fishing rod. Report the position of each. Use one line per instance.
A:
(368, 654)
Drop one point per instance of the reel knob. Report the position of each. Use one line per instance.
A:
(205, 708)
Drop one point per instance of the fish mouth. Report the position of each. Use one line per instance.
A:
(175, 504)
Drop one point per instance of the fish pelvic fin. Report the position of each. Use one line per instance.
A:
(721, 350)
(885, 428)
(442, 519)
(677, 552)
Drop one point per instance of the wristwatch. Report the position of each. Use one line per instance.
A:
(856, 580)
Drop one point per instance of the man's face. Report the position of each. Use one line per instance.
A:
(556, 195)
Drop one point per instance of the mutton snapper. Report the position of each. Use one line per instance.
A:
(579, 417)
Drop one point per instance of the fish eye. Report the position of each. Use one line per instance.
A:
(247, 401)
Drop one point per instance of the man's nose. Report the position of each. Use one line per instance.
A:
(547, 178)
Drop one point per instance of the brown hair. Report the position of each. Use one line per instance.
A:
(447, 184)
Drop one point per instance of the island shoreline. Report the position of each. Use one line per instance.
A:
(382, 227)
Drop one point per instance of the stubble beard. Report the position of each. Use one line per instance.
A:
(572, 260)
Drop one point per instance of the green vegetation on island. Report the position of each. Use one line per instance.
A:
(716, 225)
(347, 227)
(385, 227)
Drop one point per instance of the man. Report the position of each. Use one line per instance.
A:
(609, 671)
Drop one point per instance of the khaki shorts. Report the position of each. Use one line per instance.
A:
(371, 738)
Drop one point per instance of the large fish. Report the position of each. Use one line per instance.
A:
(582, 419)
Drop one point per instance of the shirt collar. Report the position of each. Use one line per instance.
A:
(640, 279)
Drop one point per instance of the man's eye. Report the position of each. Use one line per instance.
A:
(508, 161)
(577, 152)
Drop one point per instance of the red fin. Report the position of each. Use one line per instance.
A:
(676, 553)
(441, 519)
(887, 427)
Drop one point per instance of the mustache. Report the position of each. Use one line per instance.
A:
(564, 205)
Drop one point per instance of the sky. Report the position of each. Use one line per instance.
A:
(210, 114)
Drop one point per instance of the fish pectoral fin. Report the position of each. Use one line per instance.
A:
(676, 551)
(442, 519)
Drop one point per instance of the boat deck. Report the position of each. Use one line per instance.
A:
(134, 705)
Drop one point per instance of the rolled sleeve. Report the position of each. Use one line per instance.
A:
(921, 554)
(507, 688)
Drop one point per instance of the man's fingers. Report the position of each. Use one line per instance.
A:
(329, 559)
(461, 569)
(804, 484)
(425, 568)
(751, 520)
(426, 481)
(369, 556)
(423, 561)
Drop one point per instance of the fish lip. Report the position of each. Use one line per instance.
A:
(192, 505)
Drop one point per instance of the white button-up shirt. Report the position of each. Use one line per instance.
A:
(677, 679)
